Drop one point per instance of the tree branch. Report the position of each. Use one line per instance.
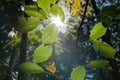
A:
(81, 23)
(22, 55)
(96, 10)
(78, 34)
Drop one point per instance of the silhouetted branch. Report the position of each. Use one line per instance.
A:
(96, 10)
(81, 23)
(78, 34)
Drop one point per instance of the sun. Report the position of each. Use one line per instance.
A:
(57, 20)
(59, 23)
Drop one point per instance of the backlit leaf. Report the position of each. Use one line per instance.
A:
(103, 48)
(57, 11)
(24, 25)
(75, 7)
(97, 31)
(50, 33)
(30, 67)
(35, 12)
(42, 53)
(103, 64)
(78, 73)
(45, 4)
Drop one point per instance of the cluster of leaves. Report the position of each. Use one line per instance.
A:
(49, 35)
(43, 52)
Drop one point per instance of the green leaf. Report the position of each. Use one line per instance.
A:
(45, 4)
(35, 12)
(42, 53)
(50, 33)
(25, 25)
(57, 11)
(106, 20)
(103, 64)
(78, 73)
(30, 67)
(104, 49)
(111, 10)
(97, 31)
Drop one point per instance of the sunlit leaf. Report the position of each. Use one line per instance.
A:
(97, 31)
(103, 64)
(42, 53)
(75, 7)
(50, 33)
(35, 12)
(50, 66)
(104, 49)
(57, 11)
(78, 73)
(45, 4)
(30, 67)
(24, 25)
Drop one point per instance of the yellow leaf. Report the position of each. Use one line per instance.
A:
(75, 7)
(50, 66)
(67, 2)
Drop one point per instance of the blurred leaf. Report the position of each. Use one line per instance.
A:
(103, 64)
(57, 11)
(24, 25)
(45, 4)
(78, 73)
(31, 67)
(111, 10)
(75, 7)
(106, 20)
(4, 68)
(50, 33)
(97, 31)
(34, 37)
(104, 49)
(35, 12)
(42, 53)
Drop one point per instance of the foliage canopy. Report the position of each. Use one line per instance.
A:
(35, 47)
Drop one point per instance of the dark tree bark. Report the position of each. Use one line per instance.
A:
(22, 55)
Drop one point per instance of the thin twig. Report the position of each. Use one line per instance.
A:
(78, 34)
(81, 23)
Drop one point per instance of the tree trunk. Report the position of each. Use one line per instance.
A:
(22, 55)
